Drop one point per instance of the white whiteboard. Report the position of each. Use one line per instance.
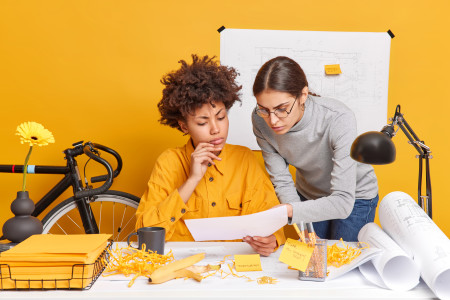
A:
(363, 58)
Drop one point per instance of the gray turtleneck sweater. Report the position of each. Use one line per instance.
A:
(318, 146)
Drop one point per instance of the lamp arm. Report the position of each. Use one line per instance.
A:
(420, 146)
(413, 141)
(428, 188)
(424, 153)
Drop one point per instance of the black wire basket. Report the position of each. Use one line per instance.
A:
(82, 277)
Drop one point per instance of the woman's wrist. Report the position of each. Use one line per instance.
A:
(187, 188)
(194, 181)
(289, 210)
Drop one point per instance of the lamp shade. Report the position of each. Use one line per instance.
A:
(373, 147)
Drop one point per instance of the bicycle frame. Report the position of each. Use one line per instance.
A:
(72, 178)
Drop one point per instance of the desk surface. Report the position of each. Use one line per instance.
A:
(352, 285)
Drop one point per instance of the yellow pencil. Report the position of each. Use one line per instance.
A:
(301, 234)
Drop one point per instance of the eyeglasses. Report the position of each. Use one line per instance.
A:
(279, 112)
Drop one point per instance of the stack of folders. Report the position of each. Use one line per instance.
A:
(46, 261)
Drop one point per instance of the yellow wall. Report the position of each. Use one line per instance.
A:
(90, 70)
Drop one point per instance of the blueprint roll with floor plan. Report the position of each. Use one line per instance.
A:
(413, 230)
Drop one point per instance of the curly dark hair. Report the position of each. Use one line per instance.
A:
(192, 86)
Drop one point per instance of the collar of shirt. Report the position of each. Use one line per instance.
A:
(219, 164)
(307, 115)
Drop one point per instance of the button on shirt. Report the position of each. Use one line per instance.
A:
(234, 186)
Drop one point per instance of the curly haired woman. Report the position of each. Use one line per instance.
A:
(206, 177)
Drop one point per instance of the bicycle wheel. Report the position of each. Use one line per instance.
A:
(113, 211)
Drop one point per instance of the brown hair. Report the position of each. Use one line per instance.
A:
(280, 74)
(192, 86)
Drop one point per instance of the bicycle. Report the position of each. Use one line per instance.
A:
(82, 213)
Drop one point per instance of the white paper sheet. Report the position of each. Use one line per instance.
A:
(393, 268)
(363, 58)
(410, 227)
(263, 223)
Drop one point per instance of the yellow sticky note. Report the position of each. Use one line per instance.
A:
(296, 254)
(249, 262)
(332, 69)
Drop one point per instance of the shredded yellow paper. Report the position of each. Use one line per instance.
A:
(224, 273)
(131, 261)
(338, 256)
(267, 280)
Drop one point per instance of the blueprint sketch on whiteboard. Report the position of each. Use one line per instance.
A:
(363, 58)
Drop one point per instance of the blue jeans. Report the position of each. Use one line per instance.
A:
(363, 212)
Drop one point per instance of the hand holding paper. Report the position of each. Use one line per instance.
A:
(262, 245)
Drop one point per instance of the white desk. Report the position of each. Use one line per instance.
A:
(350, 286)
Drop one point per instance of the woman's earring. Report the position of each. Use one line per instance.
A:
(303, 107)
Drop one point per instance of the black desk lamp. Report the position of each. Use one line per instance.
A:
(377, 148)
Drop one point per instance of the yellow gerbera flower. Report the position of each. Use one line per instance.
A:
(34, 133)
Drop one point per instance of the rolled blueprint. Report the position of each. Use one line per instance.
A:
(393, 268)
(410, 227)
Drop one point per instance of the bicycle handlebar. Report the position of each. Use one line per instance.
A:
(116, 156)
(88, 148)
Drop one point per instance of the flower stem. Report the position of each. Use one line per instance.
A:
(25, 169)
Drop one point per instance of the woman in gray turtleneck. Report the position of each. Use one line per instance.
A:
(314, 134)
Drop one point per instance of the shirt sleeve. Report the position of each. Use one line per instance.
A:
(161, 204)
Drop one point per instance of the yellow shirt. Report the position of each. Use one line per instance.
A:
(234, 186)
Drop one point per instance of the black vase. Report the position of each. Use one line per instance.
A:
(23, 225)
